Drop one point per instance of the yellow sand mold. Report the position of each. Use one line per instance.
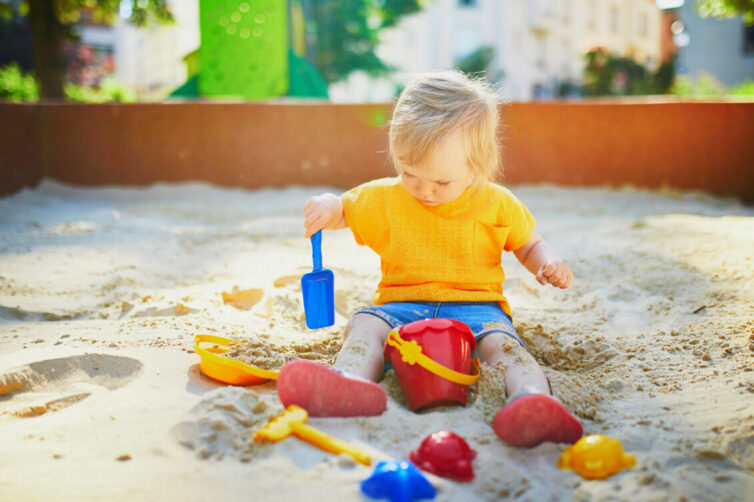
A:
(224, 369)
(596, 457)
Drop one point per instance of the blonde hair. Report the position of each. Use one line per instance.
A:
(432, 106)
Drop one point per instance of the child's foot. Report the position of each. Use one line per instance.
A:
(325, 392)
(535, 418)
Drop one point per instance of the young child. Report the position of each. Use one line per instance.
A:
(440, 228)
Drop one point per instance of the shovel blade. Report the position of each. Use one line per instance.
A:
(319, 298)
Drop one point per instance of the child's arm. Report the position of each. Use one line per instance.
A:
(324, 212)
(539, 258)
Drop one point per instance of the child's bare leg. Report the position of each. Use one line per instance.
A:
(531, 416)
(349, 389)
(521, 369)
(361, 354)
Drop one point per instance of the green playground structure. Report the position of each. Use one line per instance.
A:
(253, 50)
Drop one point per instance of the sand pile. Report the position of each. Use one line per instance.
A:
(103, 290)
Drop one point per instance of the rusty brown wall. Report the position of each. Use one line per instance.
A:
(20, 164)
(242, 144)
(706, 146)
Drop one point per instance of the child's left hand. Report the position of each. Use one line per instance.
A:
(556, 273)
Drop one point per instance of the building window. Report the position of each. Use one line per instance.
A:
(468, 3)
(643, 24)
(592, 16)
(465, 42)
(548, 9)
(614, 19)
(540, 60)
(748, 46)
(566, 57)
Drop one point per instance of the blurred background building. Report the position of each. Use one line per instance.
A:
(530, 49)
(534, 46)
(722, 48)
(149, 61)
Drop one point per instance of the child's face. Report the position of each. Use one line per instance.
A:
(441, 177)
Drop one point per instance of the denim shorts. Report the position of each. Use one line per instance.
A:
(483, 318)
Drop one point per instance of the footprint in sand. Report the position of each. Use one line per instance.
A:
(54, 384)
(16, 314)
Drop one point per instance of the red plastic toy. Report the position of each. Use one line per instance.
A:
(445, 342)
(446, 454)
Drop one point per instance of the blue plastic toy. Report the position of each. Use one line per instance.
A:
(318, 288)
(397, 482)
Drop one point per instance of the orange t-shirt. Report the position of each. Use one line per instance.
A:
(450, 252)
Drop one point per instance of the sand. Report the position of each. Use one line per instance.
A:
(103, 290)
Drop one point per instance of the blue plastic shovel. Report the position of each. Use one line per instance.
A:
(318, 287)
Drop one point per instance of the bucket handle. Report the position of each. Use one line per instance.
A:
(411, 353)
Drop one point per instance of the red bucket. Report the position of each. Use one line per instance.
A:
(448, 345)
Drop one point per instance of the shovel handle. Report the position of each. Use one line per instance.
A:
(329, 443)
(317, 250)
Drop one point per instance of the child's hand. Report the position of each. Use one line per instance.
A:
(323, 212)
(556, 273)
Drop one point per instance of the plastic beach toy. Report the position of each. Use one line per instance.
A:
(293, 421)
(596, 457)
(432, 361)
(397, 482)
(445, 454)
(225, 369)
(318, 290)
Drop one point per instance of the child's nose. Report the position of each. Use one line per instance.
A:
(426, 190)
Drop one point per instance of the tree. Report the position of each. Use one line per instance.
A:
(727, 9)
(393, 10)
(607, 74)
(344, 34)
(477, 64)
(52, 22)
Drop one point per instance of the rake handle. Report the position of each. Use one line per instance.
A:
(328, 443)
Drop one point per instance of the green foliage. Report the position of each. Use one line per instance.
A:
(16, 85)
(568, 88)
(12, 8)
(392, 10)
(109, 90)
(704, 86)
(707, 86)
(598, 76)
(478, 62)
(743, 89)
(345, 39)
(606, 74)
(345, 33)
(663, 78)
(727, 9)
(52, 26)
(683, 86)
(143, 12)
